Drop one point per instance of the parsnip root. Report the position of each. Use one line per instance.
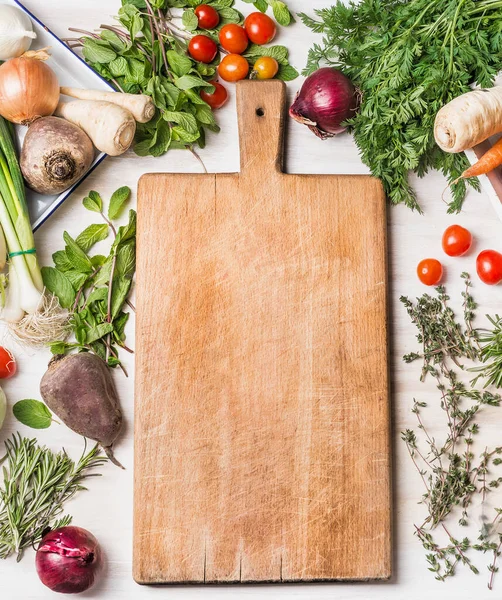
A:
(110, 127)
(469, 120)
(140, 106)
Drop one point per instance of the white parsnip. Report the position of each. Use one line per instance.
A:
(110, 127)
(469, 120)
(140, 106)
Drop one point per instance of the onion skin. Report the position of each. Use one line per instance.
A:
(29, 89)
(68, 560)
(55, 155)
(326, 100)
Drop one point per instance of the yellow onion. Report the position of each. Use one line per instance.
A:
(29, 89)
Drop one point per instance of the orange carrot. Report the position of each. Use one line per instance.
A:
(488, 162)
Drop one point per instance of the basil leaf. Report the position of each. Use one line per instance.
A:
(93, 202)
(92, 235)
(32, 413)
(118, 199)
(58, 284)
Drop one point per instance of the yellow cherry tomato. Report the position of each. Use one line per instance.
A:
(266, 67)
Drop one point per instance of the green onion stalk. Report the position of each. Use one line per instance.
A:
(26, 289)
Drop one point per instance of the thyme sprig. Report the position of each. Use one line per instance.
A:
(452, 474)
(36, 484)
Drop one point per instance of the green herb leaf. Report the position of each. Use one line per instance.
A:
(281, 13)
(57, 283)
(287, 73)
(77, 257)
(118, 199)
(280, 53)
(32, 413)
(92, 235)
(190, 21)
(188, 82)
(97, 52)
(98, 332)
(93, 202)
(61, 261)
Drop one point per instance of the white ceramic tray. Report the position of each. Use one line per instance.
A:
(72, 71)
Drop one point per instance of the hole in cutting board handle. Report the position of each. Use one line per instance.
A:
(260, 112)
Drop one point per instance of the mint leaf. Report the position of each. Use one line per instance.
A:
(32, 413)
(180, 64)
(287, 73)
(189, 20)
(92, 235)
(280, 53)
(93, 202)
(118, 199)
(78, 258)
(281, 13)
(97, 52)
(58, 284)
(187, 82)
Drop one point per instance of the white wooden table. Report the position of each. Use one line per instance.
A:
(106, 509)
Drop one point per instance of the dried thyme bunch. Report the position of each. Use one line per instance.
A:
(451, 472)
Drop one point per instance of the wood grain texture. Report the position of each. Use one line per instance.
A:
(262, 411)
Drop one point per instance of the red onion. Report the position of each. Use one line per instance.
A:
(327, 99)
(68, 560)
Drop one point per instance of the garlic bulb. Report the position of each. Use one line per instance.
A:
(16, 32)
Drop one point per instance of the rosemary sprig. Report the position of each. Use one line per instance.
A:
(37, 483)
(490, 354)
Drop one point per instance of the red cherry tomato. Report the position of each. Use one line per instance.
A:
(203, 48)
(208, 16)
(233, 68)
(430, 271)
(218, 98)
(234, 38)
(456, 240)
(489, 267)
(266, 67)
(8, 366)
(260, 28)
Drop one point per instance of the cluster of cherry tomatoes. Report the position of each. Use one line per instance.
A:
(258, 29)
(457, 241)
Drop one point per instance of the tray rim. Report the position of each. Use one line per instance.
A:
(61, 198)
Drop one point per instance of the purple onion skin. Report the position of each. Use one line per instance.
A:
(68, 560)
(326, 100)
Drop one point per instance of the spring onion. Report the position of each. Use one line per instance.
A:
(35, 317)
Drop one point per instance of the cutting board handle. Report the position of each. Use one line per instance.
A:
(261, 108)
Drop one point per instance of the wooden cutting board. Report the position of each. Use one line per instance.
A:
(262, 406)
